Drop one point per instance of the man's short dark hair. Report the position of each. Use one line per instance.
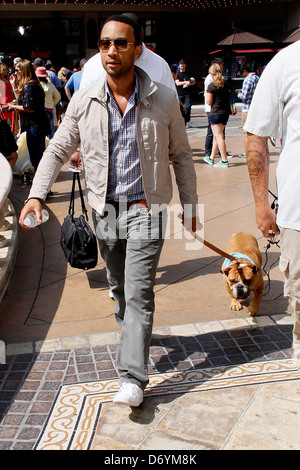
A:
(123, 18)
(135, 18)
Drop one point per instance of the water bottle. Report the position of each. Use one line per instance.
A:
(31, 219)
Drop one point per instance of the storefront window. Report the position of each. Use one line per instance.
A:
(70, 27)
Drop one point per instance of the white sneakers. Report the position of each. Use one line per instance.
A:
(129, 394)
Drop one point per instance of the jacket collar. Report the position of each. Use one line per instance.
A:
(145, 86)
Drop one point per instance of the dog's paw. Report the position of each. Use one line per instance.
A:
(236, 305)
(252, 311)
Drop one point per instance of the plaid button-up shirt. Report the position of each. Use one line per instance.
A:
(249, 85)
(125, 177)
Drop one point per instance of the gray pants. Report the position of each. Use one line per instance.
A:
(130, 243)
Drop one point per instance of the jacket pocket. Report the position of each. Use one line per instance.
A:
(149, 137)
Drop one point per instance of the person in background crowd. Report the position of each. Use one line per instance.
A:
(183, 83)
(174, 75)
(52, 74)
(73, 84)
(217, 97)
(30, 105)
(64, 100)
(38, 62)
(60, 72)
(52, 96)
(16, 60)
(6, 94)
(208, 80)
(246, 93)
(76, 65)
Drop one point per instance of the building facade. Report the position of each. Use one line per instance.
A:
(62, 30)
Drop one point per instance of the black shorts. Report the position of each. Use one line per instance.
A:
(218, 119)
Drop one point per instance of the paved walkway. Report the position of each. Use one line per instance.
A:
(218, 379)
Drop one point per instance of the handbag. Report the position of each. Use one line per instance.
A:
(78, 241)
(8, 143)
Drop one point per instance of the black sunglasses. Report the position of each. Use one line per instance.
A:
(120, 44)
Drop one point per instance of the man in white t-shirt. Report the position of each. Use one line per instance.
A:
(274, 111)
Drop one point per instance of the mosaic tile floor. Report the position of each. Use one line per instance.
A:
(77, 408)
(70, 382)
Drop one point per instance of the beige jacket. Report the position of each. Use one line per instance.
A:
(160, 132)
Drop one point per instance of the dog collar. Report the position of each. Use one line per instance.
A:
(236, 255)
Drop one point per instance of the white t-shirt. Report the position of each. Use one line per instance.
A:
(207, 82)
(154, 65)
(275, 111)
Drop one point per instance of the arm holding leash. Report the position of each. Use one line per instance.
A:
(258, 159)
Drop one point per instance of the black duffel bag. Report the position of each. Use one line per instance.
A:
(78, 240)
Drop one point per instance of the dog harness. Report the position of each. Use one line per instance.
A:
(236, 255)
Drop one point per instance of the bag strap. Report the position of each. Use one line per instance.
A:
(71, 206)
(72, 199)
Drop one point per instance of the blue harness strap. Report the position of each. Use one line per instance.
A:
(236, 255)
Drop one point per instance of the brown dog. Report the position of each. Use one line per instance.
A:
(243, 275)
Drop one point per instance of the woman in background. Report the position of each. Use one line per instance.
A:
(6, 94)
(30, 105)
(217, 96)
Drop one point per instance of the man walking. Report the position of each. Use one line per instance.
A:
(129, 127)
(274, 112)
